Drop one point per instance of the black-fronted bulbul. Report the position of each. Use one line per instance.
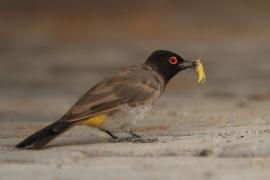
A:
(118, 101)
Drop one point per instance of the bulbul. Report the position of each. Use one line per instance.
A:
(118, 101)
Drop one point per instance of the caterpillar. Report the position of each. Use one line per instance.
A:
(200, 72)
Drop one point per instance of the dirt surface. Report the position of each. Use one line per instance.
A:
(199, 138)
(51, 53)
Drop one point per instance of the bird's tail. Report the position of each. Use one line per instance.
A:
(45, 135)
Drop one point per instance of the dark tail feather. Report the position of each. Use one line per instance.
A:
(45, 135)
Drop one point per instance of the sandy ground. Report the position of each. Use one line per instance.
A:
(199, 138)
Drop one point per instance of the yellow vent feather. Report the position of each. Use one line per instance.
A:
(95, 121)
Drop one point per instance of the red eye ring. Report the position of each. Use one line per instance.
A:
(173, 60)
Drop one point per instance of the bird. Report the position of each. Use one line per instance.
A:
(118, 101)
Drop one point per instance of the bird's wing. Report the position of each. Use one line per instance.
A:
(123, 89)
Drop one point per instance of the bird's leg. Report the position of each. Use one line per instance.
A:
(135, 138)
(134, 135)
(114, 139)
(109, 133)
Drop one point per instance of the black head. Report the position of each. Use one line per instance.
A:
(168, 63)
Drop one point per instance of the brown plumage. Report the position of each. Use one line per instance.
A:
(117, 101)
(131, 87)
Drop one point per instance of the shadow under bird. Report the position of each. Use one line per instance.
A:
(118, 101)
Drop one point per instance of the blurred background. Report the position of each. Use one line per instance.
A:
(51, 52)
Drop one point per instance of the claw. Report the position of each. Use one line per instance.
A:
(144, 140)
(133, 140)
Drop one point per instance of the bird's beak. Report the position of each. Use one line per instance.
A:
(186, 65)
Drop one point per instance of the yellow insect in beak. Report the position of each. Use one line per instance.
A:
(199, 71)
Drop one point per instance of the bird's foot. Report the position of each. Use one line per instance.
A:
(114, 140)
(133, 140)
(142, 140)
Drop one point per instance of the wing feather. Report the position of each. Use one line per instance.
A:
(124, 89)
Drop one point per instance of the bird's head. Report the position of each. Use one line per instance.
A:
(168, 63)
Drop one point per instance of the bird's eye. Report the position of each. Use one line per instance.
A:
(173, 60)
